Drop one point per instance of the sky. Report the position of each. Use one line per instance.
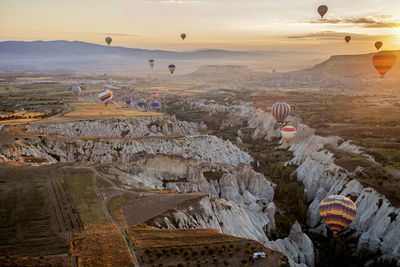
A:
(292, 25)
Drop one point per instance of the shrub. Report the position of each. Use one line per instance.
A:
(226, 262)
(243, 261)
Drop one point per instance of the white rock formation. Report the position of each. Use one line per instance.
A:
(205, 148)
(377, 222)
(120, 127)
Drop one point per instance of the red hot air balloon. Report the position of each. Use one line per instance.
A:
(154, 95)
(347, 39)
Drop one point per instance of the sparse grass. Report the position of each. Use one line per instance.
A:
(93, 110)
(80, 186)
(116, 202)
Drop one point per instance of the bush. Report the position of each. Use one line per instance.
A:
(243, 261)
(226, 262)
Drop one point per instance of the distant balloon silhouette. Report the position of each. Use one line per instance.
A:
(347, 39)
(151, 62)
(378, 45)
(108, 40)
(171, 68)
(322, 10)
(383, 62)
(183, 36)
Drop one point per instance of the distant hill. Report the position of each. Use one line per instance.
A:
(81, 56)
(339, 72)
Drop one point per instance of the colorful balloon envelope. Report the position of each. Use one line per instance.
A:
(155, 104)
(347, 39)
(383, 62)
(152, 62)
(108, 40)
(171, 68)
(141, 103)
(378, 45)
(128, 100)
(154, 95)
(322, 10)
(280, 111)
(183, 36)
(76, 90)
(288, 133)
(105, 96)
(337, 212)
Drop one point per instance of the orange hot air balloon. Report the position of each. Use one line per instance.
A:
(378, 45)
(383, 62)
(347, 39)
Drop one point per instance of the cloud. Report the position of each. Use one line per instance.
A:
(120, 34)
(333, 35)
(364, 22)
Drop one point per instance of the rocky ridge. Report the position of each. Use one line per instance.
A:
(377, 223)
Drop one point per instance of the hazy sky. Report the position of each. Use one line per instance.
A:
(233, 24)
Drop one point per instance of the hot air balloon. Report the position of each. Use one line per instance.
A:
(108, 40)
(383, 62)
(128, 100)
(347, 39)
(337, 212)
(155, 104)
(141, 103)
(288, 133)
(105, 96)
(154, 95)
(378, 45)
(322, 10)
(171, 68)
(151, 62)
(280, 111)
(76, 90)
(183, 36)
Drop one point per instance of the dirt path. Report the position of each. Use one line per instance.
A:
(121, 229)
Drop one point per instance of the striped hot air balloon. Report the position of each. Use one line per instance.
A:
(280, 111)
(337, 212)
(76, 90)
(288, 133)
(105, 96)
(141, 103)
(128, 100)
(383, 62)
